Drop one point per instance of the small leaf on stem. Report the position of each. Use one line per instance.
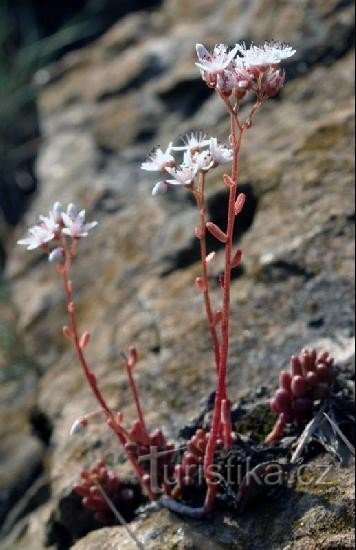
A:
(84, 340)
(198, 233)
(228, 180)
(71, 307)
(216, 232)
(236, 258)
(239, 204)
(199, 283)
(67, 333)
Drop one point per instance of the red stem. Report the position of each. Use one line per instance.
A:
(200, 199)
(221, 392)
(91, 379)
(135, 394)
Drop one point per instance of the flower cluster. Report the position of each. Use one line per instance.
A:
(241, 69)
(55, 227)
(310, 378)
(98, 481)
(200, 154)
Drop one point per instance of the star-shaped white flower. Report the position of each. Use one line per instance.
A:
(158, 160)
(38, 236)
(270, 53)
(192, 142)
(183, 175)
(203, 160)
(220, 154)
(49, 222)
(74, 225)
(217, 61)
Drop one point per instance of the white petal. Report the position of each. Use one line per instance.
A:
(202, 52)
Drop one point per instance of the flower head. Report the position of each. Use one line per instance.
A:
(39, 235)
(183, 175)
(74, 224)
(203, 160)
(49, 222)
(274, 81)
(220, 154)
(217, 61)
(158, 160)
(270, 53)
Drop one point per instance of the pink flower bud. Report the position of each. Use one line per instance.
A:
(274, 82)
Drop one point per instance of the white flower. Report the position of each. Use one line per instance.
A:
(39, 235)
(203, 161)
(220, 154)
(158, 160)
(183, 175)
(214, 63)
(49, 222)
(193, 141)
(74, 224)
(160, 188)
(236, 76)
(269, 53)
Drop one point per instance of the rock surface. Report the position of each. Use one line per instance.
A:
(102, 110)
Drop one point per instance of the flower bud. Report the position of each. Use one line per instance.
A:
(56, 255)
(274, 82)
(78, 426)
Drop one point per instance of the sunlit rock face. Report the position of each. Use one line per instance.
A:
(103, 109)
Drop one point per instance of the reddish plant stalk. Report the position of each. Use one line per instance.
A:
(89, 375)
(221, 392)
(135, 394)
(200, 200)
